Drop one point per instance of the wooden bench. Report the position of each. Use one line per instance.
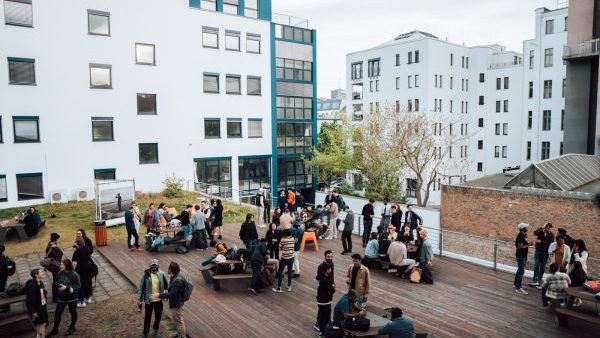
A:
(216, 277)
(8, 324)
(563, 314)
(6, 225)
(11, 300)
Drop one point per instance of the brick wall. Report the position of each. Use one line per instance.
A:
(496, 213)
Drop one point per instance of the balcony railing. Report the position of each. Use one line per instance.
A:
(288, 20)
(499, 65)
(583, 49)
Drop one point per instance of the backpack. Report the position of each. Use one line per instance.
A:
(359, 324)
(181, 250)
(188, 287)
(257, 199)
(10, 266)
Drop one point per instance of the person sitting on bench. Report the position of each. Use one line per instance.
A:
(347, 309)
(384, 242)
(397, 254)
(371, 258)
(220, 249)
(399, 327)
(555, 286)
(316, 221)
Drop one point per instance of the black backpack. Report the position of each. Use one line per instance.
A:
(10, 266)
(359, 324)
(257, 199)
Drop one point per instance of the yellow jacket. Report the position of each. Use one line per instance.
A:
(363, 280)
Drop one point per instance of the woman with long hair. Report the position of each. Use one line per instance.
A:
(276, 216)
(218, 219)
(36, 301)
(84, 266)
(580, 254)
(68, 288)
(86, 240)
(248, 233)
(55, 254)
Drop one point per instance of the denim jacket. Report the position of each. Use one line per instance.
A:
(146, 285)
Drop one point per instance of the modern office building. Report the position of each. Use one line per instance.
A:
(217, 93)
(582, 123)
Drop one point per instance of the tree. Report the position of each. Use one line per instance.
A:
(331, 157)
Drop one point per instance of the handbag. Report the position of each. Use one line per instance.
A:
(415, 275)
(361, 324)
(50, 265)
(592, 286)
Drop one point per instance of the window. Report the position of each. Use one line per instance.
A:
(497, 151)
(293, 33)
(146, 104)
(98, 23)
(410, 81)
(462, 65)
(462, 84)
(397, 83)
(498, 83)
(450, 151)
(561, 148)
(497, 128)
(148, 153)
(294, 137)
(30, 186)
(209, 5)
(528, 156)
(530, 90)
(504, 151)
(416, 81)
(498, 106)
(481, 77)
(100, 76)
(451, 82)
(144, 54)
(356, 70)
(546, 120)
(566, 23)
(230, 6)
(548, 57)
(397, 59)
(21, 71)
(450, 130)
(254, 173)
(251, 8)
(294, 108)
(18, 13)
(441, 82)
(294, 172)
(374, 69)
(211, 83)
(506, 83)
(411, 187)
(504, 128)
(549, 26)
(480, 124)
(105, 174)
(505, 106)
(410, 58)
(479, 166)
(210, 37)
(562, 121)
(451, 106)
(466, 107)
(289, 69)
(547, 89)
(371, 86)
(545, 150)
(232, 40)
(436, 81)
(376, 85)
(416, 104)
(481, 100)
(26, 129)
(3, 189)
(102, 129)
(531, 64)
(357, 91)
(410, 105)
(467, 62)
(214, 176)
(233, 84)
(255, 128)
(480, 144)
(416, 56)
(451, 59)
(564, 86)
(253, 43)
(234, 128)
(253, 85)
(529, 119)
(212, 128)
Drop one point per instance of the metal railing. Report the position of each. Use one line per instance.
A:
(289, 20)
(506, 64)
(586, 48)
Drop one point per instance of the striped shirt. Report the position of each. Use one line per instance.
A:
(557, 284)
(286, 247)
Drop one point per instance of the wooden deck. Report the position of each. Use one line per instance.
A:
(465, 301)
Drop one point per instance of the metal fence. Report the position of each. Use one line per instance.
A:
(590, 47)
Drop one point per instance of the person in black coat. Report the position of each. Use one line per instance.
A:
(273, 237)
(282, 200)
(35, 301)
(248, 233)
(84, 266)
(54, 253)
(396, 220)
(175, 294)
(412, 219)
(325, 293)
(258, 259)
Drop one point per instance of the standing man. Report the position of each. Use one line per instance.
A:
(544, 237)
(207, 215)
(328, 262)
(386, 214)
(176, 296)
(347, 232)
(412, 219)
(359, 279)
(297, 233)
(286, 252)
(522, 248)
(119, 201)
(396, 219)
(282, 201)
(153, 282)
(257, 261)
(199, 222)
(367, 213)
(267, 216)
(560, 253)
(131, 232)
(260, 207)
(325, 292)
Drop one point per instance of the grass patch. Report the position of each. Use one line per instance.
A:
(75, 215)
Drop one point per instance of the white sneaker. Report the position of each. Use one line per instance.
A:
(521, 291)
(262, 226)
(88, 300)
(80, 304)
(289, 288)
(276, 289)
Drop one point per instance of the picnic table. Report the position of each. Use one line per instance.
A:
(218, 276)
(7, 322)
(169, 230)
(563, 314)
(12, 223)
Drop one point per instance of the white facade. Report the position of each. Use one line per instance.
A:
(542, 63)
(64, 102)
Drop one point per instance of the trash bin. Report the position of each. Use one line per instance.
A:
(101, 237)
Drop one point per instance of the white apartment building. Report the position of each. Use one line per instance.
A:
(544, 87)
(419, 72)
(145, 89)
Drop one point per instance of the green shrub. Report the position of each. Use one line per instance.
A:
(173, 187)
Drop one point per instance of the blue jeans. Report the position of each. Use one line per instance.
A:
(282, 264)
(521, 261)
(250, 243)
(539, 265)
(367, 231)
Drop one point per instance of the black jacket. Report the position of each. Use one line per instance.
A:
(320, 272)
(184, 217)
(248, 231)
(83, 257)
(33, 299)
(71, 280)
(282, 202)
(368, 211)
(396, 220)
(175, 293)
(546, 239)
(259, 253)
(415, 220)
(325, 291)
(273, 238)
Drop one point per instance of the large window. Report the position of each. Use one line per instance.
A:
(1, 135)
(549, 26)
(547, 120)
(102, 129)
(212, 128)
(255, 128)
(531, 59)
(374, 69)
(98, 23)
(294, 108)
(3, 189)
(233, 84)
(232, 40)
(411, 187)
(144, 54)
(357, 91)
(294, 137)
(530, 95)
(547, 89)
(254, 173)
(548, 57)
(253, 43)
(18, 13)
(148, 153)
(230, 6)
(21, 71)
(211, 83)
(214, 176)
(253, 85)
(100, 76)
(356, 70)
(251, 8)
(234, 128)
(30, 186)
(210, 37)
(293, 33)
(293, 172)
(26, 129)
(545, 150)
(209, 5)
(146, 104)
(105, 174)
(289, 69)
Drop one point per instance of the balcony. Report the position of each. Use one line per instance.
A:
(516, 62)
(288, 20)
(586, 49)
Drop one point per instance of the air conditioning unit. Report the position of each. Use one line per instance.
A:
(58, 196)
(84, 194)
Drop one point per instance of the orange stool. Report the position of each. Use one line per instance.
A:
(309, 236)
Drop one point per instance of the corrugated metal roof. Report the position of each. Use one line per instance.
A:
(571, 171)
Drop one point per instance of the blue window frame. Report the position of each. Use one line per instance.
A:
(213, 176)
(254, 173)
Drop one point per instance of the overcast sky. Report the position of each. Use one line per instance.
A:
(344, 26)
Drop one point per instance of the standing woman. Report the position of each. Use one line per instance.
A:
(36, 302)
(68, 289)
(276, 216)
(54, 253)
(580, 254)
(82, 262)
(218, 219)
(248, 233)
(86, 240)
(137, 216)
(272, 237)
